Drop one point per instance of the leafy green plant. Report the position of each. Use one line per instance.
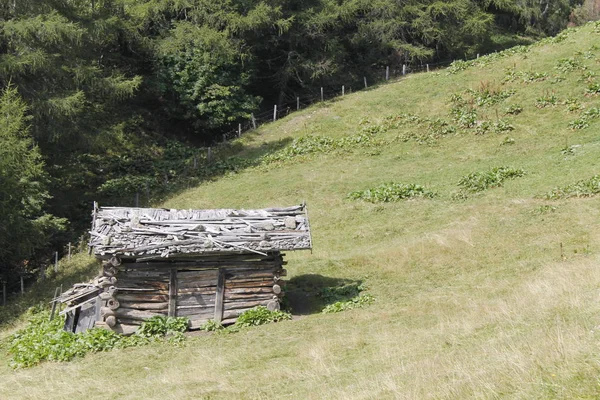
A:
(212, 326)
(583, 188)
(507, 141)
(160, 326)
(547, 100)
(514, 109)
(359, 301)
(584, 120)
(260, 315)
(593, 89)
(495, 177)
(389, 192)
(568, 64)
(544, 209)
(572, 104)
(45, 340)
(502, 125)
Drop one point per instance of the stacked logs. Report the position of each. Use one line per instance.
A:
(209, 288)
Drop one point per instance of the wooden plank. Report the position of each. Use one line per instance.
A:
(173, 293)
(145, 306)
(197, 299)
(235, 305)
(194, 313)
(219, 296)
(197, 290)
(136, 314)
(142, 298)
(206, 274)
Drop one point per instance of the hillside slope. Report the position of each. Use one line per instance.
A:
(478, 294)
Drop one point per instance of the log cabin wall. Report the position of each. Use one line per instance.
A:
(218, 288)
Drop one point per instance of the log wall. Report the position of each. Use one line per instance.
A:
(218, 288)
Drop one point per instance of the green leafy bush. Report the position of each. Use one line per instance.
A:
(45, 340)
(583, 188)
(495, 177)
(389, 192)
(260, 315)
(161, 326)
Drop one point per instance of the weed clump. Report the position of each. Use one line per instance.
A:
(260, 315)
(583, 188)
(359, 301)
(495, 177)
(346, 297)
(584, 120)
(389, 192)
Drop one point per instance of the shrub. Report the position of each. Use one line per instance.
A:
(389, 192)
(495, 177)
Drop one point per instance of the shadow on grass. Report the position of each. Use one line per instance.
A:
(311, 293)
(227, 157)
(40, 293)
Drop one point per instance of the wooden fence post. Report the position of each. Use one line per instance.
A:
(56, 261)
(275, 112)
(239, 130)
(343, 90)
(427, 67)
(253, 122)
(387, 73)
(403, 69)
(365, 79)
(54, 301)
(321, 94)
(69, 251)
(297, 103)
(22, 286)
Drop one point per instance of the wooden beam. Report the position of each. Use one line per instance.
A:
(219, 296)
(173, 293)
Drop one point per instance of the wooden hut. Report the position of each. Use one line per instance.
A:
(199, 264)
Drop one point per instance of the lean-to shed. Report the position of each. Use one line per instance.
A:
(200, 264)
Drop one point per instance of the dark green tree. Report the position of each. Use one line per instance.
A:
(25, 227)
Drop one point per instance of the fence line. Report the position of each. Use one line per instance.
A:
(18, 286)
(326, 92)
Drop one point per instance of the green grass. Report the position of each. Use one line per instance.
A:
(488, 296)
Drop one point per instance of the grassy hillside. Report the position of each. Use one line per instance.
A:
(478, 294)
